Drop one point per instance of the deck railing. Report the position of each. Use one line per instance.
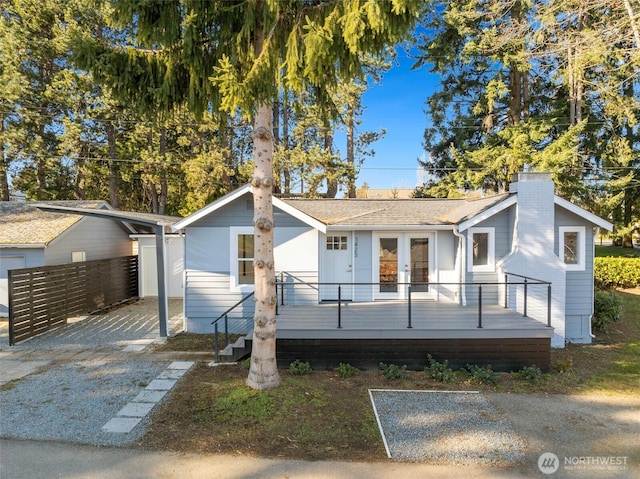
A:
(231, 321)
(516, 295)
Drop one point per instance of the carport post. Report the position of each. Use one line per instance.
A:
(163, 304)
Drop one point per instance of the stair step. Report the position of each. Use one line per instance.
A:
(234, 352)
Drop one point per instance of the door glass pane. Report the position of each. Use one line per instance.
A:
(388, 265)
(419, 264)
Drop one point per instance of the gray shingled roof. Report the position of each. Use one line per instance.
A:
(393, 212)
(24, 224)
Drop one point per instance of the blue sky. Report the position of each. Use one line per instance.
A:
(397, 105)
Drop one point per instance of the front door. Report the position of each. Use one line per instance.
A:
(337, 268)
(402, 260)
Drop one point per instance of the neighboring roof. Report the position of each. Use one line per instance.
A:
(22, 223)
(145, 219)
(379, 194)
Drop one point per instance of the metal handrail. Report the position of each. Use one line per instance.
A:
(225, 315)
(526, 282)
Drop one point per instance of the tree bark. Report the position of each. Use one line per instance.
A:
(4, 180)
(263, 373)
(350, 153)
(114, 176)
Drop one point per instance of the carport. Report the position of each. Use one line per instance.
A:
(158, 225)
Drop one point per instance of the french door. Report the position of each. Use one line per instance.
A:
(400, 260)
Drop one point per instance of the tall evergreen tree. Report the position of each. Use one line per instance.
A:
(230, 55)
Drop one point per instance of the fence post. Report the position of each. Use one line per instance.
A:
(216, 349)
(339, 307)
(409, 305)
(525, 297)
(506, 291)
(277, 298)
(549, 305)
(479, 306)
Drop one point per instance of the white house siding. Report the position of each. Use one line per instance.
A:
(579, 289)
(208, 292)
(503, 228)
(99, 238)
(15, 258)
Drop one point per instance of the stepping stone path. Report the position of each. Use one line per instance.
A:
(135, 411)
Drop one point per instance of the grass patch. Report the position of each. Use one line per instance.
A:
(191, 342)
(309, 416)
(617, 252)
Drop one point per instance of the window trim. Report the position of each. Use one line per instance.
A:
(581, 230)
(78, 256)
(234, 285)
(490, 267)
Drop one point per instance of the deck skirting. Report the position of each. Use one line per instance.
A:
(502, 354)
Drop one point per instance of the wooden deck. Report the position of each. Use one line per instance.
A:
(378, 332)
(390, 320)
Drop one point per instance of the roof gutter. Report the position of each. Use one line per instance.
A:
(23, 246)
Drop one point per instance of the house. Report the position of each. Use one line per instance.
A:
(527, 253)
(30, 237)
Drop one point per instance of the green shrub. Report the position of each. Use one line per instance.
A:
(482, 374)
(246, 364)
(393, 371)
(439, 371)
(607, 306)
(565, 366)
(299, 368)
(530, 374)
(345, 370)
(612, 272)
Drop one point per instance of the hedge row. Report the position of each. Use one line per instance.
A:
(612, 272)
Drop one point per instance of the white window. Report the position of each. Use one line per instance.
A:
(481, 250)
(337, 243)
(78, 256)
(241, 259)
(571, 247)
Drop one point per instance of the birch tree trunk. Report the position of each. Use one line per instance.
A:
(263, 373)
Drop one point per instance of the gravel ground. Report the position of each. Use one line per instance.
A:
(446, 427)
(71, 402)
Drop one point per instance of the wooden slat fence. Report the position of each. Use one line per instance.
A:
(44, 297)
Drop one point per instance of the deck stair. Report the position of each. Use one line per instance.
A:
(236, 351)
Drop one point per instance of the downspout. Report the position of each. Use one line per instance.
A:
(461, 264)
(593, 255)
(182, 234)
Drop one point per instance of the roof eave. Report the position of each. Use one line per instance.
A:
(596, 220)
(488, 213)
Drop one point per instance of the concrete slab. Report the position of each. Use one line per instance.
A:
(134, 347)
(121, 425)
(12, 370)
(180, 365)
(136, 409)
(161, 384)
(150, 396)
(172, 374)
